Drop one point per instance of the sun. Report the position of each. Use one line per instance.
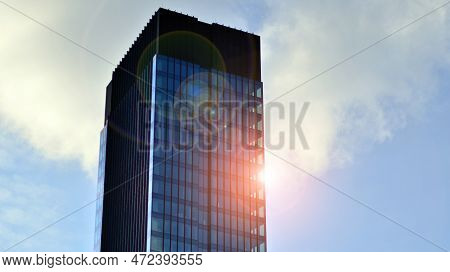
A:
(267, 175)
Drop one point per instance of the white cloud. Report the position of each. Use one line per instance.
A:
(366, 100)
(52, 93)
(24, 209)
(46, 94)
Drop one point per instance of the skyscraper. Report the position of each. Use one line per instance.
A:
(182, 148)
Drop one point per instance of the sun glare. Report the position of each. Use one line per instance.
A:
(267, 175)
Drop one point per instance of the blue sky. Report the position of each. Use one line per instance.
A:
(36, 192)
(406, 179)
(377, 126)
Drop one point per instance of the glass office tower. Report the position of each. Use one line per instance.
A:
(181, 163)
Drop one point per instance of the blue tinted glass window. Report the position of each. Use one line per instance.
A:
(237, 212)
(156, 244)
(170, 65)
(161, 64)
(157, 224)
(177, 68)
(161, 82)
(158, 205)
(158, 187)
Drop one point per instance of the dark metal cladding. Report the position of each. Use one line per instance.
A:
(184, 37)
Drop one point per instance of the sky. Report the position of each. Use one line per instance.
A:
(377, 125)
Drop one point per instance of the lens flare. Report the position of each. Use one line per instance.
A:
(267, 176)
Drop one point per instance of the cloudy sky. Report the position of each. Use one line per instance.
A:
(377, 125)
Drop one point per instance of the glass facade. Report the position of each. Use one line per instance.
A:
(206, 187)
(100, 189)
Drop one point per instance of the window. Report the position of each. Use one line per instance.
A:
(245, 91)
(240, 243)
(158, 187)
(162, 64)
(259, 109)
(158, 169)
(170, 86)
(180, 247)
(220, 219)
(213, 237)
(213, 218)
(173, 245)
(166, 244)
(174, 228)
(194, 232)
(227, 221)
(175, 190)
(247, 244)
(181, 192)
(233, 242)
(161, 82)
(177, 68)
(156, 243)
(194, 212)
(213, 78)
(157, 224)
(158, 205)
(261, 212)
(247, 225)
(227, 240)
(188, 193)
(261, 194)
(221, 239)
(258, 89)
(214, 199)
(167, 227)
(187, 231)
(168, 189)
(251, 90)
(261, 230)
(183, 69)
(181, 229)
(170, 65)
(262, 247)
(259, 125)
(174, 208)
(181, 211)
(188, 212)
